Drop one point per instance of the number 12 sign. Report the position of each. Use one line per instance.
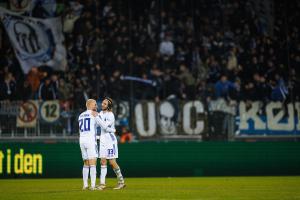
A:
(50, 111)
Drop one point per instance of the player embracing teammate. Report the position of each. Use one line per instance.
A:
(108, 147)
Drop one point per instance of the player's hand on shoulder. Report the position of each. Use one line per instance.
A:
(94, 113)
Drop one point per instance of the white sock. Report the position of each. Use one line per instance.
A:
(85, 175)
(93, 173)
(119, 175)
(103, 174)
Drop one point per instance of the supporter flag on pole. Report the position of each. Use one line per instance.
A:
(36, 42)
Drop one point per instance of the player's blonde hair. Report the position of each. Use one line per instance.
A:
(89, 102)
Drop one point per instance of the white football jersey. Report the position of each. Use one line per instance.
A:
(87, 125)
(107, 122)
(108, 146)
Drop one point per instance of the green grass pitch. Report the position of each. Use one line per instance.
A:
(202, 188)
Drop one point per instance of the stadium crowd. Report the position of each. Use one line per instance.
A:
(155, 49)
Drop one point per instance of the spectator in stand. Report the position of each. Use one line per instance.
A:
(239, 45)
(65, 90)
(69, 21)
(166, 47)
(47, 90)
(34, 78)
(115, 86)
(25, 92)
(205, 92)
(279, 89)
(188, 81)
(232, 63)
(3, 71)
(80, 95)
(223, 87)
(55, 84)
(8, 87)
(126, 135)
(76, 7)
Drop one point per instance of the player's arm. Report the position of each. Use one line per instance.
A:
(110, 130)
(105, 125)
(111, 121)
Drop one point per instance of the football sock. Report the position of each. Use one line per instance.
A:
(93, 173)
(103, 174)
(85, 175)
(119, 175)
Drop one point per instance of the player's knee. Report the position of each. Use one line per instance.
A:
(103, 162)
(92, 162)
(113, 163)
(86, 162)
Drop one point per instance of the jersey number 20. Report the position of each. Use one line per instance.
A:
(84, 124)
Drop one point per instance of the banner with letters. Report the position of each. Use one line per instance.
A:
(63, 159)
(36, 42)
(189, 119)
(271, 119)
(170, 119)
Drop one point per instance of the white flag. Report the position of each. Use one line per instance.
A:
(36, 42)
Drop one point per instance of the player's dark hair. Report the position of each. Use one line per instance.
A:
(110, 103)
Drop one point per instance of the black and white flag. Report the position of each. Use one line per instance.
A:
(36, 42)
